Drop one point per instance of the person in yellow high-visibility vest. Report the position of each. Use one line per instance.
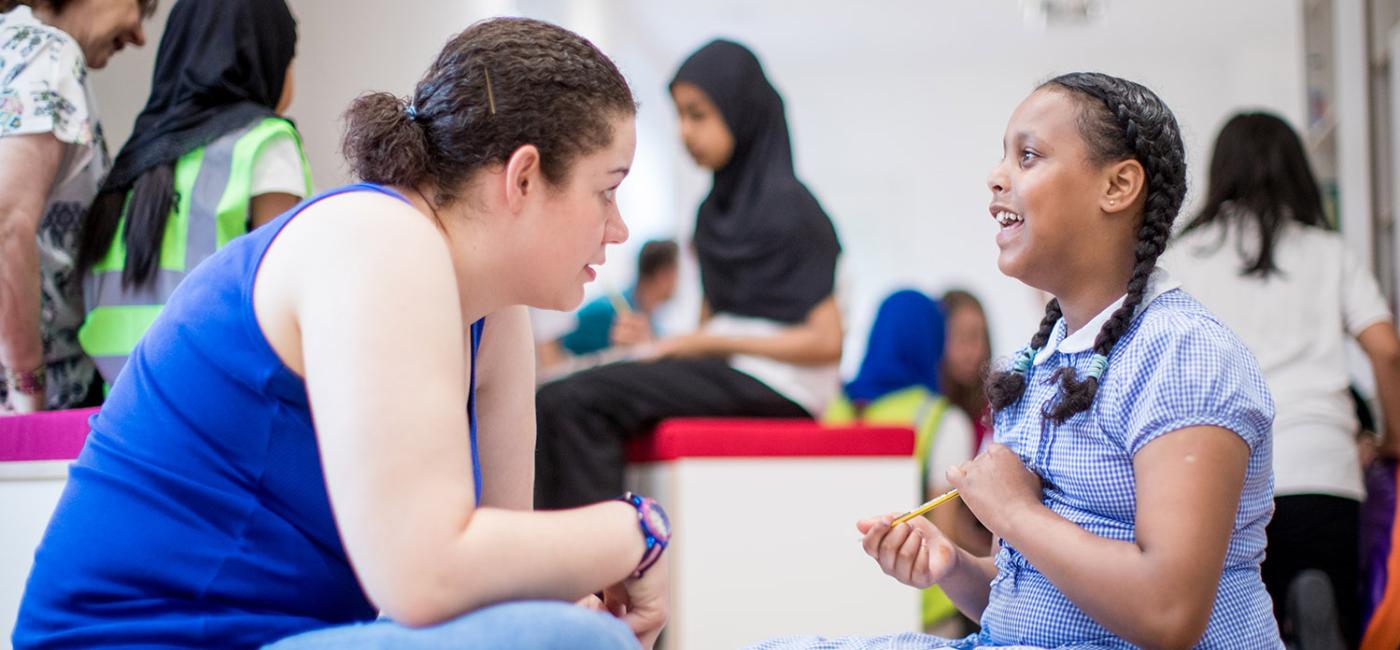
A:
(209, 158)
(898, 384)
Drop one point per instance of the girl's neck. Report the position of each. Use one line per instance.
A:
(1087, 297)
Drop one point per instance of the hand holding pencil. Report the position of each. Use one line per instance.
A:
(916, 554)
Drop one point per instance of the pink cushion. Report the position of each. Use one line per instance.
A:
(52, 435)
(741, 437)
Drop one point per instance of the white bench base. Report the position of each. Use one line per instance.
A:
(768, 547)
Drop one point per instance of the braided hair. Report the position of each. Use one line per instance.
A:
(1119, 120)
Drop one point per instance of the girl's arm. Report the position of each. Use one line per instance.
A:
(266, 207)
(815, 341)
(1382, 346)
(358, 296)
(1157, 592)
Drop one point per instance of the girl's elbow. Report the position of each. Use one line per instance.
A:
(1176, 627)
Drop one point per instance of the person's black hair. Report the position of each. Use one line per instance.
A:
(1259, 173)
(1119, 120)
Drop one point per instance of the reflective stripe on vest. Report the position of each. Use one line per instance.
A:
(211, 208)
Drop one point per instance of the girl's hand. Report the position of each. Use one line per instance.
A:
(996, 486)
(915, 553)
(630, 329)
(683, 346)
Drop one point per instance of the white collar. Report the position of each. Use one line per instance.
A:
(1083, 338)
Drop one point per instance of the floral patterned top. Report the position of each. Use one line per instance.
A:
(44, 89)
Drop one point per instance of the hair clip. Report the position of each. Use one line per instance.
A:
(412, 112)
(1097, 365)
(490, 96)
(1022, 364)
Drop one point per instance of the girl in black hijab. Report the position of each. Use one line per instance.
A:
(209, 157)
(770, 334)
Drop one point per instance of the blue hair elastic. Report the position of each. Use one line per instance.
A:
(1022, 364)
(412, 112)
(1097, 365)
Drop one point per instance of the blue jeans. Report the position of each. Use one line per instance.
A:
(526, 625)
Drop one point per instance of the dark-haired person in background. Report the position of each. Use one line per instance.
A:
(770, 334)
(52, 160)
(208, 158)
(331, 418)
(1262, 256)
(599, 327)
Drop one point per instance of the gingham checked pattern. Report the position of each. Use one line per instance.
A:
(1176, 367)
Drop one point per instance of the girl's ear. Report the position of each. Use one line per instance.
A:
(1125, 182)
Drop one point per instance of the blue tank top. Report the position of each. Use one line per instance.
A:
(196, 515)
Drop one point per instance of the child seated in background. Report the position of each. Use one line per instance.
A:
(898, 384)
(610, 326)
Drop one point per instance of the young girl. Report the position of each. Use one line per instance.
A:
(770, 332)
(899, 384)
(331, 418)
(210, 135)
(1262, 256)
(1129, 482)
(966, 360)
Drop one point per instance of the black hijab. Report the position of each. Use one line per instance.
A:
(221, 64)
(766, 247)
(220, 67)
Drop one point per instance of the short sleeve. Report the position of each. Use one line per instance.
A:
(279, 168)
(1195, 374)
(1362, 302)
(44, 87)
(594, 331)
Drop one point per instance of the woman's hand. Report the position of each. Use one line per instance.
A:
(644, 603)
(915, 553)
(996, 486)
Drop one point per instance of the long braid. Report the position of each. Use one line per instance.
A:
(1121, 120)
(1004, 387)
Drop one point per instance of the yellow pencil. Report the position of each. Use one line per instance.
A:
(619, 303)
(933, 503)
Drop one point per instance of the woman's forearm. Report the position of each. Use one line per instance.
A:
(501, 555)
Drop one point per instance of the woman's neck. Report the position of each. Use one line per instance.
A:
(481, 272)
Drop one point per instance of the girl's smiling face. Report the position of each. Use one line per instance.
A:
(1046, 193)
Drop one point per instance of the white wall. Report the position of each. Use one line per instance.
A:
(897, 108)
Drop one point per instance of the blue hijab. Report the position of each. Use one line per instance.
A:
(905, 348)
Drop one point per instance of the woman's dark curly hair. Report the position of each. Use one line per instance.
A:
(501, 84)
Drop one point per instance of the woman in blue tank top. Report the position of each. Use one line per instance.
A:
(293, 447)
